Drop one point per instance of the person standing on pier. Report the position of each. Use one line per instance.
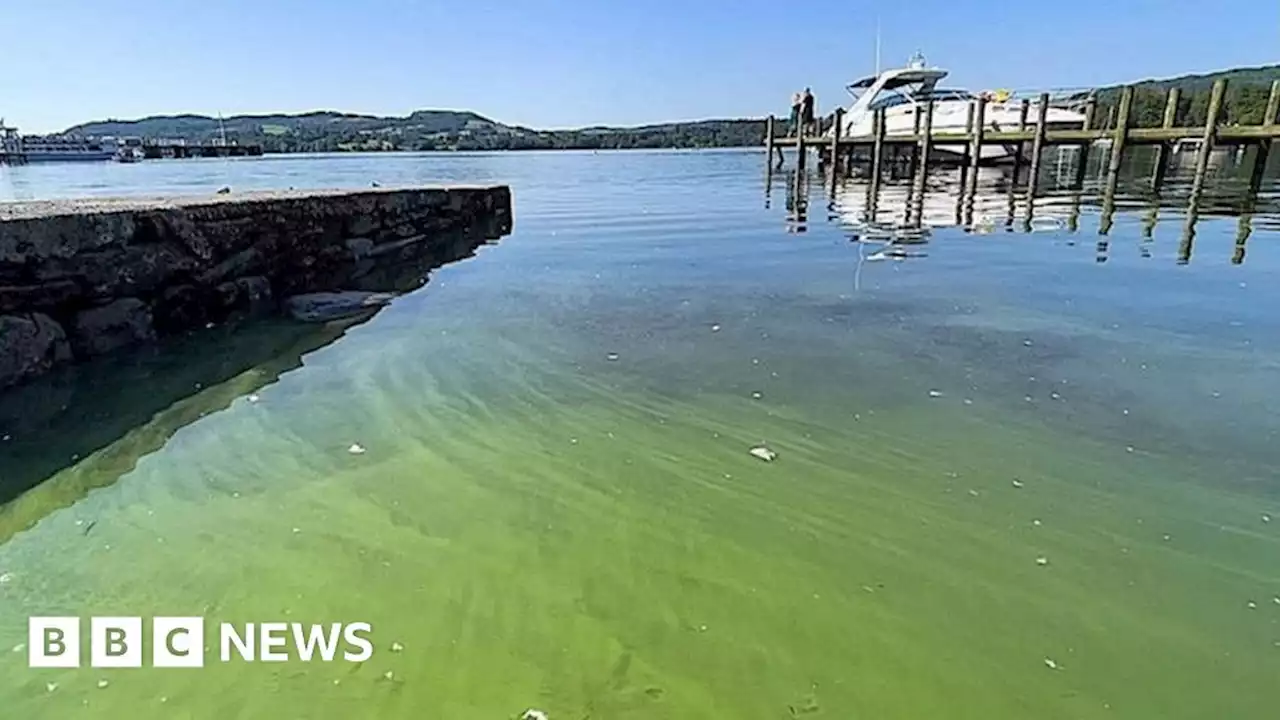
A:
(793, 127)
(806, 111)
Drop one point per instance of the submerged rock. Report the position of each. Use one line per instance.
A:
(326, 306)
(32, 344)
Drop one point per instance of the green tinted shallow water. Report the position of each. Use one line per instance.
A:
(538, 525)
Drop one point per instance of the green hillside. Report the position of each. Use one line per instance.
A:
(421, 130)
(1245, 102)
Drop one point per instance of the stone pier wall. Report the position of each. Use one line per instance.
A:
(86, 277)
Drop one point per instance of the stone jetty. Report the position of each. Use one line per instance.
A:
(79, 278)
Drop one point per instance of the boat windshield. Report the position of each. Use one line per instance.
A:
(889, 100)
(916, 94)
(942, 94)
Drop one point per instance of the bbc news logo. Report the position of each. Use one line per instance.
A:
(179, 642)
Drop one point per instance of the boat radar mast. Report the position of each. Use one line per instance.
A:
(917, 61)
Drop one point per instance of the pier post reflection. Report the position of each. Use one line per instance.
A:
(904, 201)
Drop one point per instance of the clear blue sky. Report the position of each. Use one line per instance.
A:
(561, 63)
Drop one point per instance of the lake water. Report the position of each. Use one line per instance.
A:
(1018, 474)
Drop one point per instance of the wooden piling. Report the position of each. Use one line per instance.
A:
(1023, 111)
(835, 139)
(1163, 149)
(1202, 169)
(1264, 146)
(877, 161)
(1206, 140)
(1273, 105)
(979, 109)
(801, 152)
(1037, 152)
(1118, 138)
(964, 167)
(922, 169)
(1090, 109)
(768, 143)
(836, 122)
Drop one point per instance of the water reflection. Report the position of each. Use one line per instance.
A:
(1153, 184)
(86, 425)
(95, 421)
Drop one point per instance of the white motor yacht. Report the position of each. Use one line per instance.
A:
(903, 92)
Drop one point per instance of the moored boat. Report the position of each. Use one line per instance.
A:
(902, 93)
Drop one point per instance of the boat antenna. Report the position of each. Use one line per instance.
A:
(877, 44)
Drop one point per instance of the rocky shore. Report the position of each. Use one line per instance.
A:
(79, 278)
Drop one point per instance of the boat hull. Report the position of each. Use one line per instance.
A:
(953, 118)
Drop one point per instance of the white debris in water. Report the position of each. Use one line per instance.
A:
(968, 401)
(297, 530)
(573, 441)
(1276, 599)
(611, 357)
(6, 438)
(1017, 483)
(1026, 343)
(6, 578)
(1251, 605)
(164, 699)
(1042, 561)
(532, 714)
(254, 398)
(1036, 522)
(19, 647)
(1266, 517)
(1049, 663)
(356, 449)
(1168, 537)
(935, 393)
(50, 687)
(756, 395)
(397, 647)
(389, 675)
(715, 328)
(1128, 448)
(102, 684)
(764, 453)
(973, 493)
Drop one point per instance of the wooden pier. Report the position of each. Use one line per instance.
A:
(1029, 143)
